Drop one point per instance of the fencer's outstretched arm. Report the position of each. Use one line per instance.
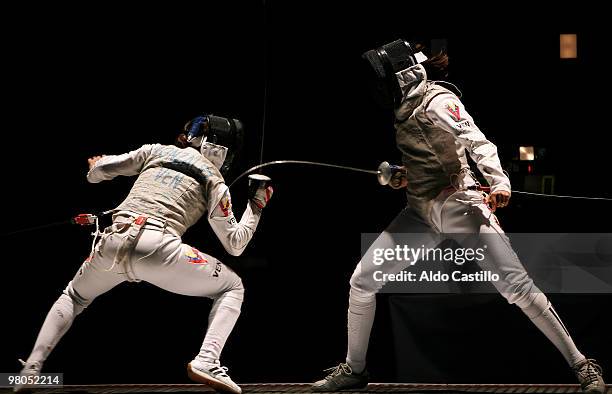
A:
(234, 235)
(448, 112)
(127, 164)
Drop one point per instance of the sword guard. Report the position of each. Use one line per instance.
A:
(386, 172)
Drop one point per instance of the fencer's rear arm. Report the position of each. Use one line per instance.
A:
(234, 235)
(127, 164)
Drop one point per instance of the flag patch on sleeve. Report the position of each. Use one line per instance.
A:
(453, 108)
(226, 205)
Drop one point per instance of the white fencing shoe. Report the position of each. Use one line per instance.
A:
(590, 376)
(213, 375)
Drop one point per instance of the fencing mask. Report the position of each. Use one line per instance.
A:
(219, 139)
(384, 62)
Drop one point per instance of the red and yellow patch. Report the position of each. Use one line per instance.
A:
(194, 256)
(453, 108)
(226, 205)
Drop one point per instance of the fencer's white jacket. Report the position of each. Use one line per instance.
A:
(434, 132)
(177, 186)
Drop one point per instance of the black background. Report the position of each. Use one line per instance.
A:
(102, 80)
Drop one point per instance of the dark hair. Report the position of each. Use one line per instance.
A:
(436, 66)
(181, 141)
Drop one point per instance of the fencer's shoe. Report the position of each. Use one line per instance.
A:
(31, 369)
(342, 377)
(590, 376)
(213, 375)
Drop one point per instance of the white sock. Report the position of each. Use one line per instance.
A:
(58, 321)
(221, 321)
(544, 316)
(362, 309)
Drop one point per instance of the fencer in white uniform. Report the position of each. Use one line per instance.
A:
(174, 189)
(435, 134)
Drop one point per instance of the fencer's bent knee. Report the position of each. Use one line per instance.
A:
(232, 298)
(361, 290)
(515, 284)
(65, 309)
(234, 295)
(356, 281)
(238, 289)
(71, 295)
(526, 295)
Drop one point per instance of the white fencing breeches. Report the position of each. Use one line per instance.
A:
(159, 258)
(451, 213)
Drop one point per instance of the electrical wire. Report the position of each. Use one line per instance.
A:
(560, 196)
